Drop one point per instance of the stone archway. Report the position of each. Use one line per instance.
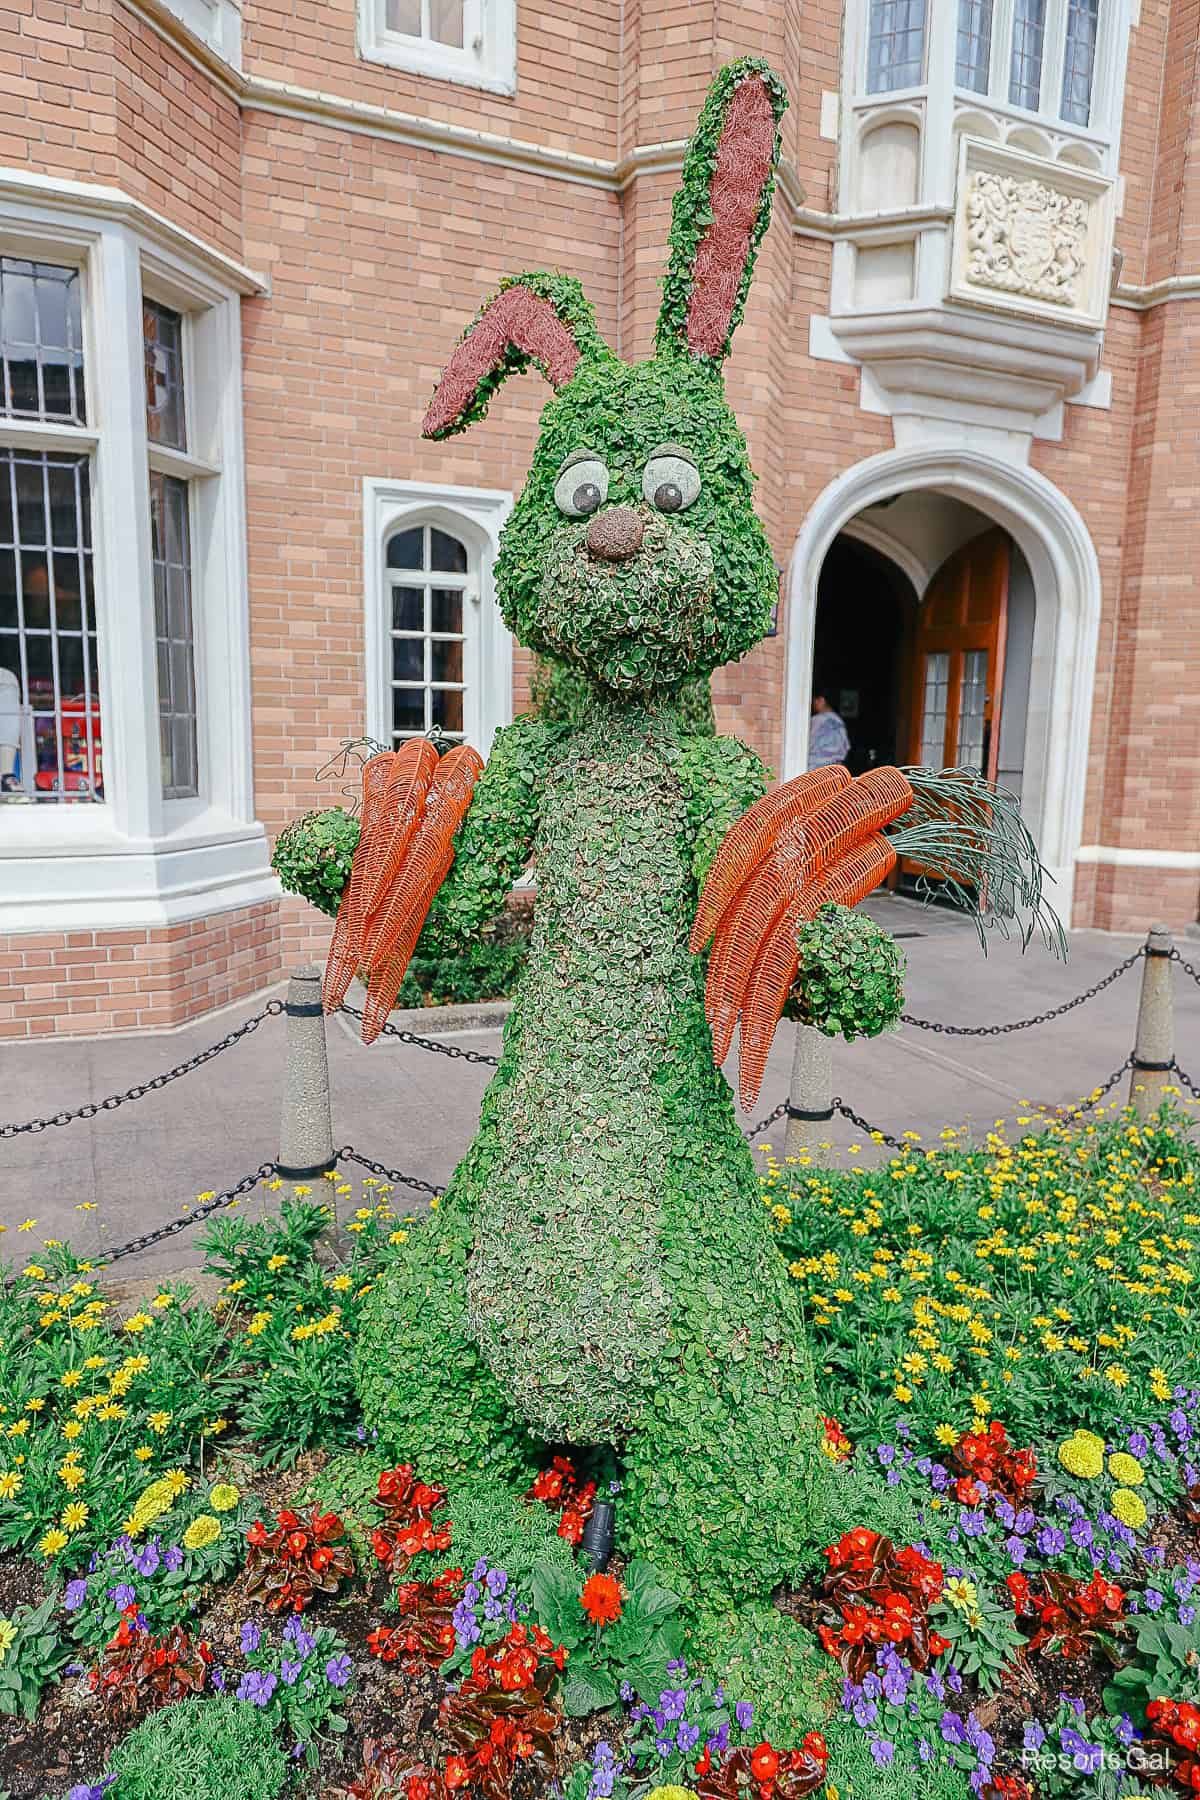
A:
(1066, 575)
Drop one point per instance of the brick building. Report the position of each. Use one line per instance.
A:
(238, 245)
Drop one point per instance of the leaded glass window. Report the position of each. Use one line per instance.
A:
(171, 553)
(427, 577)
(974, 48)
(41, 334)
(1079, 62)
(895, 45)
(1028, 45)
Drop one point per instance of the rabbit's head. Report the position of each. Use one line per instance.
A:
(634, 552)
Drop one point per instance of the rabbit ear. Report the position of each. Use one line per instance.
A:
(721, 210)
(542, 319)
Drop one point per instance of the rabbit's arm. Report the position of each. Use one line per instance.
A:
(495, 839)
(721, 777)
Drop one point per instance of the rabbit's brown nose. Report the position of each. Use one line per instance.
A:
(616, 534)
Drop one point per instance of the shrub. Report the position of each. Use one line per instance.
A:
(31, 1655)
(850, 980)
(312, 856)
(216, 1749)
(485, 967)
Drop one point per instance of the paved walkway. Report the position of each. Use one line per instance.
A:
(141, 1163)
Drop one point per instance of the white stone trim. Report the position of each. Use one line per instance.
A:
(137, 859)
(1066, 575)
(876, 537)
(477, 516)
(215, 23)
(1138, 859)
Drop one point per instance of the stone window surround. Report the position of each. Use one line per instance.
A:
(138, 860)
(475, 516)
(487, 60)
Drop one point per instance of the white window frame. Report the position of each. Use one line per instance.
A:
(216, 23)
(476, 517)
(135, 859)
(487, 59)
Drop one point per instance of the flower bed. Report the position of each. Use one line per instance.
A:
(211, 1579)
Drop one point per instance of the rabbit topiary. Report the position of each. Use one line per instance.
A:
(602, 1269)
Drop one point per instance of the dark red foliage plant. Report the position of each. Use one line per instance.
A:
(138, 1672)
(500, 1719)
(390, 1773)
(408, 1526)
(764, 1773)
(986, 1463)
(874, 1594)
(1176, 1723)
(427, 1634)
(300, 1558)
(560, 1488)
(1068, 1616)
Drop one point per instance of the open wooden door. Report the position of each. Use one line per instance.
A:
(958, 661)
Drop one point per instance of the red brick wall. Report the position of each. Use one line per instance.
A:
(84, 982)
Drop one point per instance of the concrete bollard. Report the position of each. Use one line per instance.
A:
(306, 1124)
(810, 1097)
(1154, 1044)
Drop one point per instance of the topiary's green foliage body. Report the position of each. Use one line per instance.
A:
(204, 1749)
(312, 856)
(850, 982)
(561, 695)
(601, 1269)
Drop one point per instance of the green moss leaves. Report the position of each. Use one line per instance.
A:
(850, 982)
(312, 856)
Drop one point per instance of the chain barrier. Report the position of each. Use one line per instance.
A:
(769, 1120)
(92, 1107)
(1181, 1075)
(1043, 1018)
(455, 1051)
(1187, 967)
(225, 1198)
(1095, 1097)
(874, 1131)
(349, 1154)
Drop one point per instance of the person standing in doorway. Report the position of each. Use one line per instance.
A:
(828, 739)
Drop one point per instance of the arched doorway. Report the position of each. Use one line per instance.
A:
(887, 502)
(866, 617)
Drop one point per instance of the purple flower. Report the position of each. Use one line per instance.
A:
(1035, 1735)
(718, 1743)
(91, 1790)
(953, 1679)
(1050, 1541)
(497, 1581)
(665, 1746)
(866, 1711)
(303, 1641)
(1025, 1521)
(148, 1559)
(627, 1691)
(886, 1454)
(1187, 1615)
(256, 1687)
(217, 1677)
(743, 1712)
(289, 1672)
(122, 1595)
(924, 1749)
(979, 1739)
(1178, 1421)
(973, 1524)
(480, 1569)
(337, 1671)
(1123, 1730)
(1016, 1550)
(672, 1703)
(75, 1595)
(953, 1728)
(687, 1736)
(1139, 1444)
(1087, 1758)
(1082, 1534)
(173, 1557)
(251, 1638)
(935, 1685)
(883, 1750)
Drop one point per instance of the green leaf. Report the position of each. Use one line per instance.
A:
(588, 1690)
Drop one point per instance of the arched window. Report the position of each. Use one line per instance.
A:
(438, 655)
(428, 579)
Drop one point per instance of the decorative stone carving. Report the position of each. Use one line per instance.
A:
(1025, 237)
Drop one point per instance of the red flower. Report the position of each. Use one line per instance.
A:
(967, 1491)
(764, 1763)
(601, 1598)
(456, 1772)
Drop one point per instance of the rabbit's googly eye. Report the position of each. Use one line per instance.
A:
(670, 482)
(581, 487)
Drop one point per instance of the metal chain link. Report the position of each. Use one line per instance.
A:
(349, 1154)
(90, 1110)
(1043, 1018)
(1096, 1096)
(1187, 967)
(769, 1120)
(225, 1198)
(1182, 1075)
(454, 1051)
(875, 1131)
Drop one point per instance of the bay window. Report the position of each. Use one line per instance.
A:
(125, 783)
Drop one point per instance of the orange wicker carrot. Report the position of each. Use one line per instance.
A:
(413, 768)
(346, 945)
(420, 871)
(386, 976)
(870, 802)
(857, 873)
(747, 924)
(753, 836)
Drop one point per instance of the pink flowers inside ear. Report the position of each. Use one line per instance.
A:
(744, 158)
(516, 319)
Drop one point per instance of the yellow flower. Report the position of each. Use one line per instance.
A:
(75, 1516)
(140, 1321)
(1126, 1469)
(8, 1637)
(161, 1302)
(18, 1428)
(143, 1453)
(1117, 1375)
(962, 1594)
(340, 1283)
(1129, 1507)
(53, 1541)
(224, 1497)
(202, 1531)
(71, 1476)
(276, 1262)
(72, 1378)
(10, 1484)
(671, 1793)
(1082, 1455)
(946, 1436)
(158, 1422)
(258, 1324)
